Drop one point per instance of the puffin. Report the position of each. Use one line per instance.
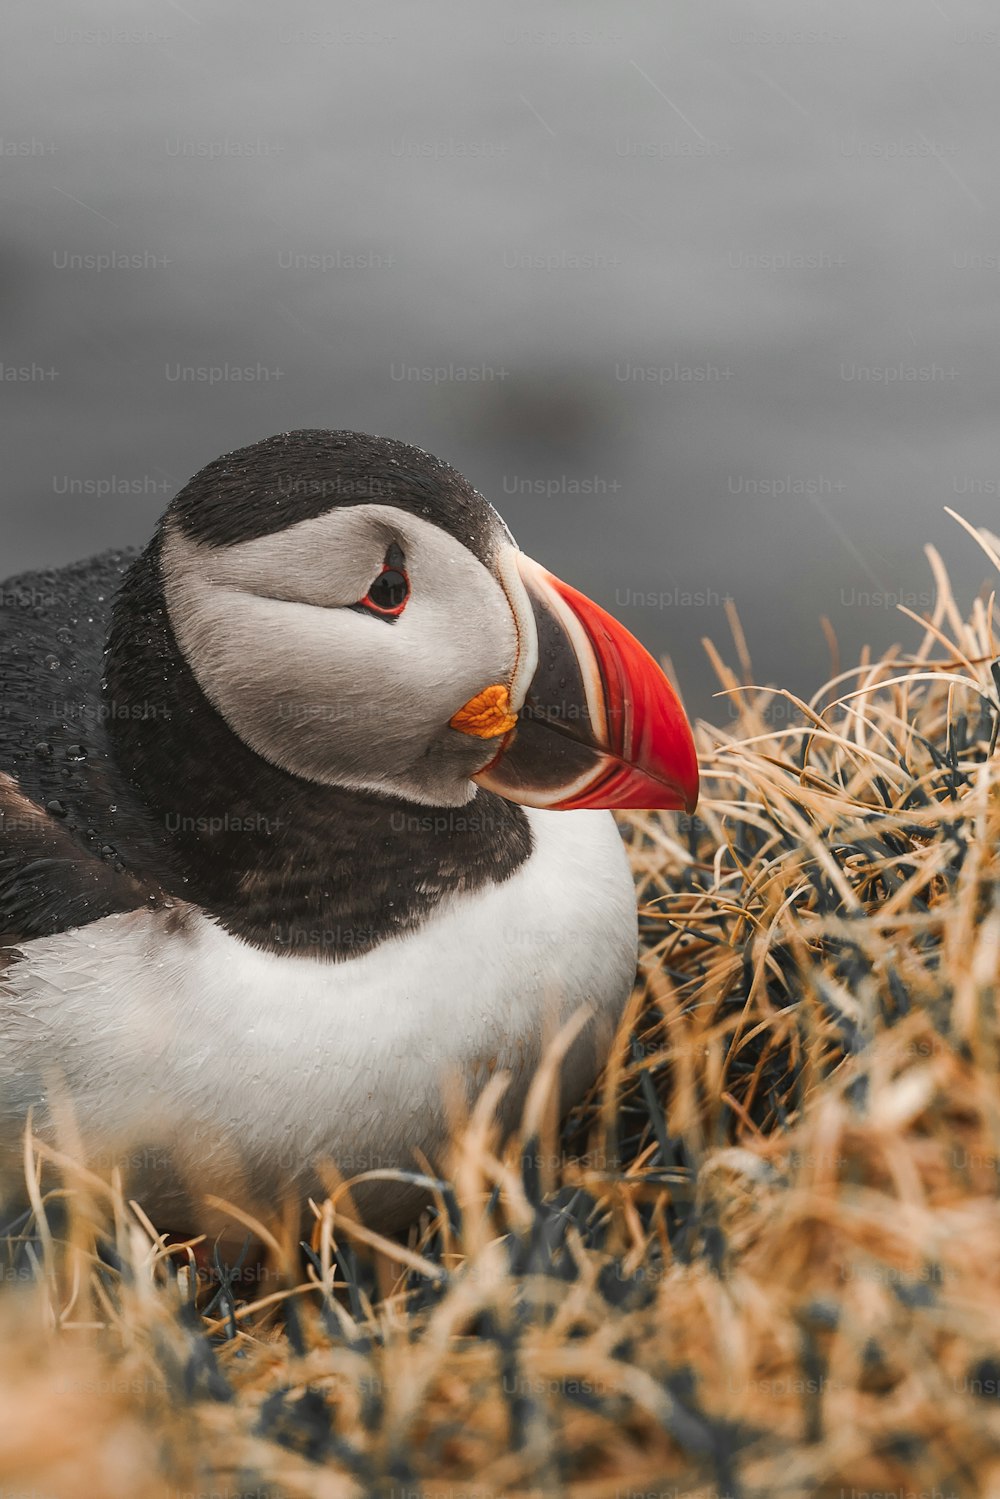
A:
(306, 832)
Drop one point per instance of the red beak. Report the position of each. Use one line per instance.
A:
(600, 725)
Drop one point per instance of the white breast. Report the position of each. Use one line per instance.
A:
(197, 1057)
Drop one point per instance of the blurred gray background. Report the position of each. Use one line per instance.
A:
(703, 296)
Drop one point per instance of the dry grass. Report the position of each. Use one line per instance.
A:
(766, 1259)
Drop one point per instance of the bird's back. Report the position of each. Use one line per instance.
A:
(75, 841)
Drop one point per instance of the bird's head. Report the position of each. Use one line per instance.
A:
(360, 616)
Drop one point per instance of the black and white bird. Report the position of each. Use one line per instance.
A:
(301, 820)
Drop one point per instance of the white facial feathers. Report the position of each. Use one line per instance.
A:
(334, 694)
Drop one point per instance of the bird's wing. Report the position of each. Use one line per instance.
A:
(49, 882)
(76, 842)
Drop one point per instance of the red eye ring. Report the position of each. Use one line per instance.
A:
(390, 592)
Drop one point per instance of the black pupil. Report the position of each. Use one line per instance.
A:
(389, 589)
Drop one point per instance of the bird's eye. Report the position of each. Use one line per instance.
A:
(391, 589)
